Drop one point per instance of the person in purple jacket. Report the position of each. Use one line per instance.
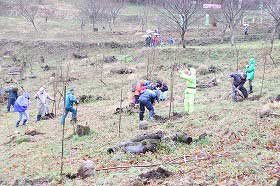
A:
(21, 106)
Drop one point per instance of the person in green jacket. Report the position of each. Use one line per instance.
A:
(190, 76)
(250, 71)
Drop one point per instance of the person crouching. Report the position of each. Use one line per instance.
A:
(147, 99)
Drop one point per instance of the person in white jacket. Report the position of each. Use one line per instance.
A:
(43, 108)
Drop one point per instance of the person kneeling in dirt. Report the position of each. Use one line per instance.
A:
(147, 99)
(163, 88)
(21, 105)
(237, 83)
(190, 76)
(43, 108)
(13, 95)
(69, 103)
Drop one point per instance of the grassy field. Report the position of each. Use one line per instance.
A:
(239, 149)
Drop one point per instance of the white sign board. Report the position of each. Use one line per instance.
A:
(212, 6)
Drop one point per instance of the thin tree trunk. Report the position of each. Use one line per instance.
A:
(231, 37)
(62, 140)
(273, 38)
(120, 118)
(223, 34)
(183, 39)
(171, 90)
(148, 67)
(33, 24)
(264, 65)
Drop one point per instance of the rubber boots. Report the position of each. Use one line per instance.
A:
(24, 122)
(251, 90)
(17, 124)
(39, 117)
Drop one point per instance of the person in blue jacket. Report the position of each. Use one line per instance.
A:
(21, 105)
(13, 95)
(147, 99)
(69, 103)
(237, 81)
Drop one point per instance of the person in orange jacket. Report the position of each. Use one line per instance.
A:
(138, 89)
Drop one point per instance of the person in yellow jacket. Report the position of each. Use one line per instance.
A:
(190, 76)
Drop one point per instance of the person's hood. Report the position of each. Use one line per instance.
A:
(151, 86)
(252, 61)
(159, 82)
(141, 82)
(41, 90)
(71, 91)
(146, 83)
(26, 95)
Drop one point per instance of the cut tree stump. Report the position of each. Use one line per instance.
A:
(87, 169)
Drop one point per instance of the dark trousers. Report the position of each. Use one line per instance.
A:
(136, 97)
(11, 102)
(148, 104)
(251, 86)
(242, 89)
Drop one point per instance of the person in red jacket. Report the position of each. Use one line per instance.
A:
(138, 89)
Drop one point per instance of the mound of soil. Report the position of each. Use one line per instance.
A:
(162, 119)
(88, 98)
(159, 173)
(82, 130)
(204, 69)
(272, 99)
(128, 110)
(110, 59)
(46, 67)
(122, 71)
(33, 132)
(211, 83)
(26, 181)
(48, 116)
(254, 98)
(79, 56)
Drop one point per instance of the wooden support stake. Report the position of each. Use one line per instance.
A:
(120, 118)
(263, 74)
(62, 139)
(171, 89)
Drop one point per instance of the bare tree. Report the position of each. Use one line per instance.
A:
(273, 8)
(93, 9)
(233, 11)
(114, 9)
(28, 10)
(46, 12)
(143, 16)
(181, 14)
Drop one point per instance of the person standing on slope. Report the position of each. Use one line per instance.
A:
(69, 106)
(43, 108)
(189, 75)
(21, 106)
(250, 71)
